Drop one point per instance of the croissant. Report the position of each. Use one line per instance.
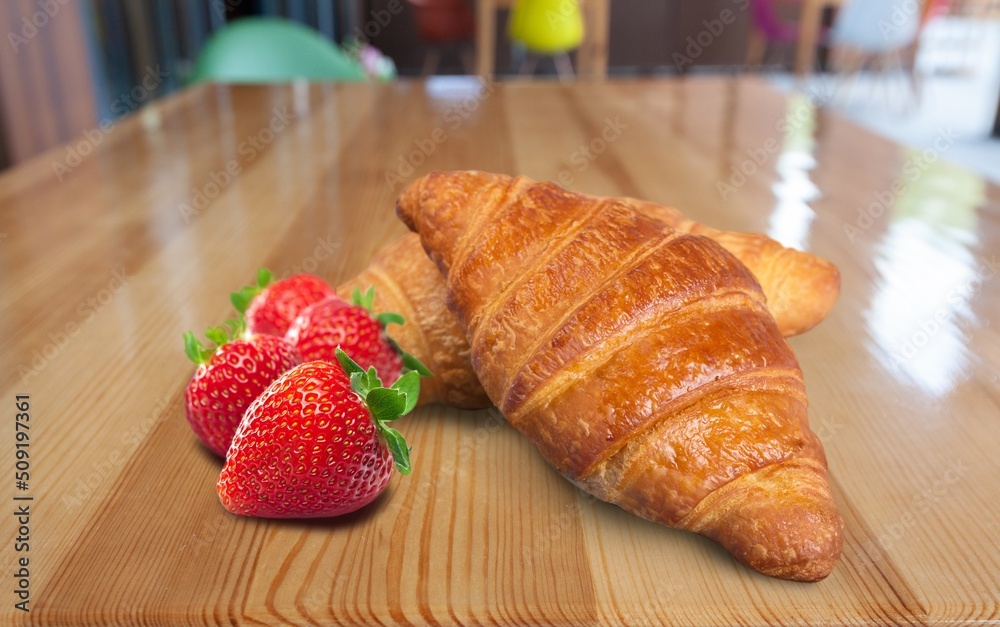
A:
(406, 282)
(801, 288)
(642, 363)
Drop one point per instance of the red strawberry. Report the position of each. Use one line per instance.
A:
(317, 443)
(229, 377)
(321, 328)
(271, 307)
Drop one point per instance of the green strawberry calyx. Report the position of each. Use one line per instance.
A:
(241, 300)
(385, 404)
(197, 352)
(366, 300)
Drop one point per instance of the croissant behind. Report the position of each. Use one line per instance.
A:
(407, 283)
(641, 362)
(801, 288)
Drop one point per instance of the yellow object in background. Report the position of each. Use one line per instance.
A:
(546, 27)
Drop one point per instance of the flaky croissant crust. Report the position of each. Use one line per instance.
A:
(642, 362)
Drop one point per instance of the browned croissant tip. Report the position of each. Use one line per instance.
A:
(781, 521)
(408, 202)
(796, 315)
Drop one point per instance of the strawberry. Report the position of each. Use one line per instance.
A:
(321, 328)
(229, 377)
(317, 442)
(271, 307)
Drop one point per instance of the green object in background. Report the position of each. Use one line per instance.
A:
(272, 50)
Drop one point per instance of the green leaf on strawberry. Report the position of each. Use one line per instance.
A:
(199, 353)
(388, 318)
(195, 350)
(367, 301)
(385, 404)
(397, 446)
(242, 299)
(409, 385)
(410, 363)
(218, 335)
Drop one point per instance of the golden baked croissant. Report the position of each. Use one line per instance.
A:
(801, 288)
(641, 362)
(407, 282)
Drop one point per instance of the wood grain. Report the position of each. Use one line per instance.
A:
(103, 272)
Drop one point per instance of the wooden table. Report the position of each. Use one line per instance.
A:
(592, 56)
(144, 238)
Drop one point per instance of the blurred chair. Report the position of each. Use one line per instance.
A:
(551, 28)
(811, 31)
(445, 25)
(271, 50)
(878, 34)
(767, 28)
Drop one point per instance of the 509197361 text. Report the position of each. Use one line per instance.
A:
(22, 501)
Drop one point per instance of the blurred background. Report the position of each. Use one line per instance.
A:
(904, 68)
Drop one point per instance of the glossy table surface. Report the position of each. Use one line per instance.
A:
(109, 252)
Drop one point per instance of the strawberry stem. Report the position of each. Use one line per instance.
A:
(195, 350)
(385, 404)
(387, 318)
(242, 299)
(397, 446)
(367, 300)
(223, 334)
(410, 363)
